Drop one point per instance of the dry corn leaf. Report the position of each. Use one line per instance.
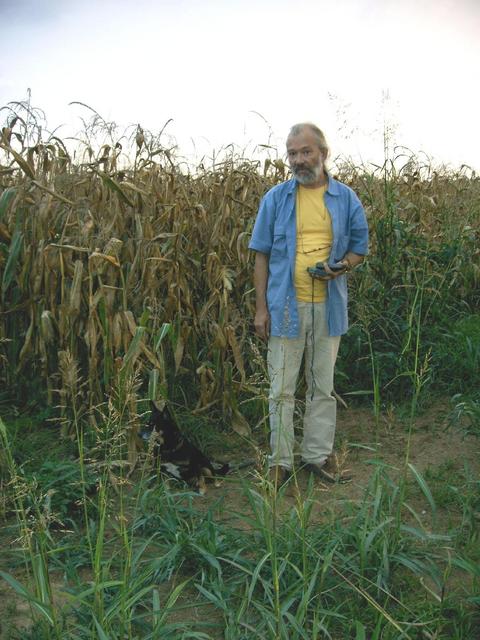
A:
(51, 192)
(47, 324)
(27, 345)
(239, 424)
(135, 188)
(179, 349)
(4, 234)
(117, 331)
(22, 163)
(69, 247)
(96, 258)
(114, 186)
(113, 248)
(76, 290)
(237, 353)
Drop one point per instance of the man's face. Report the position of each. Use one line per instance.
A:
(306, 159)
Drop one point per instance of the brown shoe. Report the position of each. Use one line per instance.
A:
(278, 475)
(329, 471)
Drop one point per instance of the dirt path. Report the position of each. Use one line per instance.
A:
(433, 446)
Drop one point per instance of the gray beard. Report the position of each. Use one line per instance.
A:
(309, 178)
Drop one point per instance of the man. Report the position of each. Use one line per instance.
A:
(309, 219)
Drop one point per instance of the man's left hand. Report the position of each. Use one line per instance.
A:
(331, 275)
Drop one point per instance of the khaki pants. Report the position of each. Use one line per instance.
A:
(284, 361)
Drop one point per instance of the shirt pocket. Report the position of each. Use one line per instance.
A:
(279, 246)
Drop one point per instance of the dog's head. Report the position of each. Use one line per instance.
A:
(163, 423)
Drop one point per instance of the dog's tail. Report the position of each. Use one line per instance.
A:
(222, 470)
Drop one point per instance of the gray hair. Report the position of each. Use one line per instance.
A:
(318, 133)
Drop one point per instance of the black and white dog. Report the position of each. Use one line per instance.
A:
(176, 455)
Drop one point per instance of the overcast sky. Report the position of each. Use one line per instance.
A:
(213, 66)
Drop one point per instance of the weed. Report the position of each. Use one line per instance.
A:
(466, 413)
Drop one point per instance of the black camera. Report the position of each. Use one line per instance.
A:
(318, 271)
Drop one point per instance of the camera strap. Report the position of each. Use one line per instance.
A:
(312, 370)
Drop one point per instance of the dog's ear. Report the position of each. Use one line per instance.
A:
(167, 414)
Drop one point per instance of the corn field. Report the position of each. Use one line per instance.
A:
(107, 269)
(125, 276)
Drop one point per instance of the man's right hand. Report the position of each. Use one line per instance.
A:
(262, 324)
(260, 278)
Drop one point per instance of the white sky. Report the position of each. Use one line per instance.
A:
(210, 65)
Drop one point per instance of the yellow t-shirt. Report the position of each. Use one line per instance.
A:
(314, 241)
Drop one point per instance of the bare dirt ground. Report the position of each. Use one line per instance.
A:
(361, 445)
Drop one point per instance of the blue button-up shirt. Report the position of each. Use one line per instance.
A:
(275, 234)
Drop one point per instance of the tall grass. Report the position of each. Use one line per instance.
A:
(147, 561)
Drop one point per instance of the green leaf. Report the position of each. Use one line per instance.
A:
(13, 254)
(216, 600)
(153, 384)
(155, 609)
(128, 604)
(3, 430)
(5, 199)
(371, 536)
(114, 186)
(209, 558)
(172, 598)
(145, 317)
(424, 487)
(95, 588)
(466, 565)
(415, 565)
(359, 631)
(164, 331)
(16, 586)
(134, 348)
(101, 633)
(256, 574)
(24, 593)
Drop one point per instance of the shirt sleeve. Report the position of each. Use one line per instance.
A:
(358, 227)
(262, 234)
